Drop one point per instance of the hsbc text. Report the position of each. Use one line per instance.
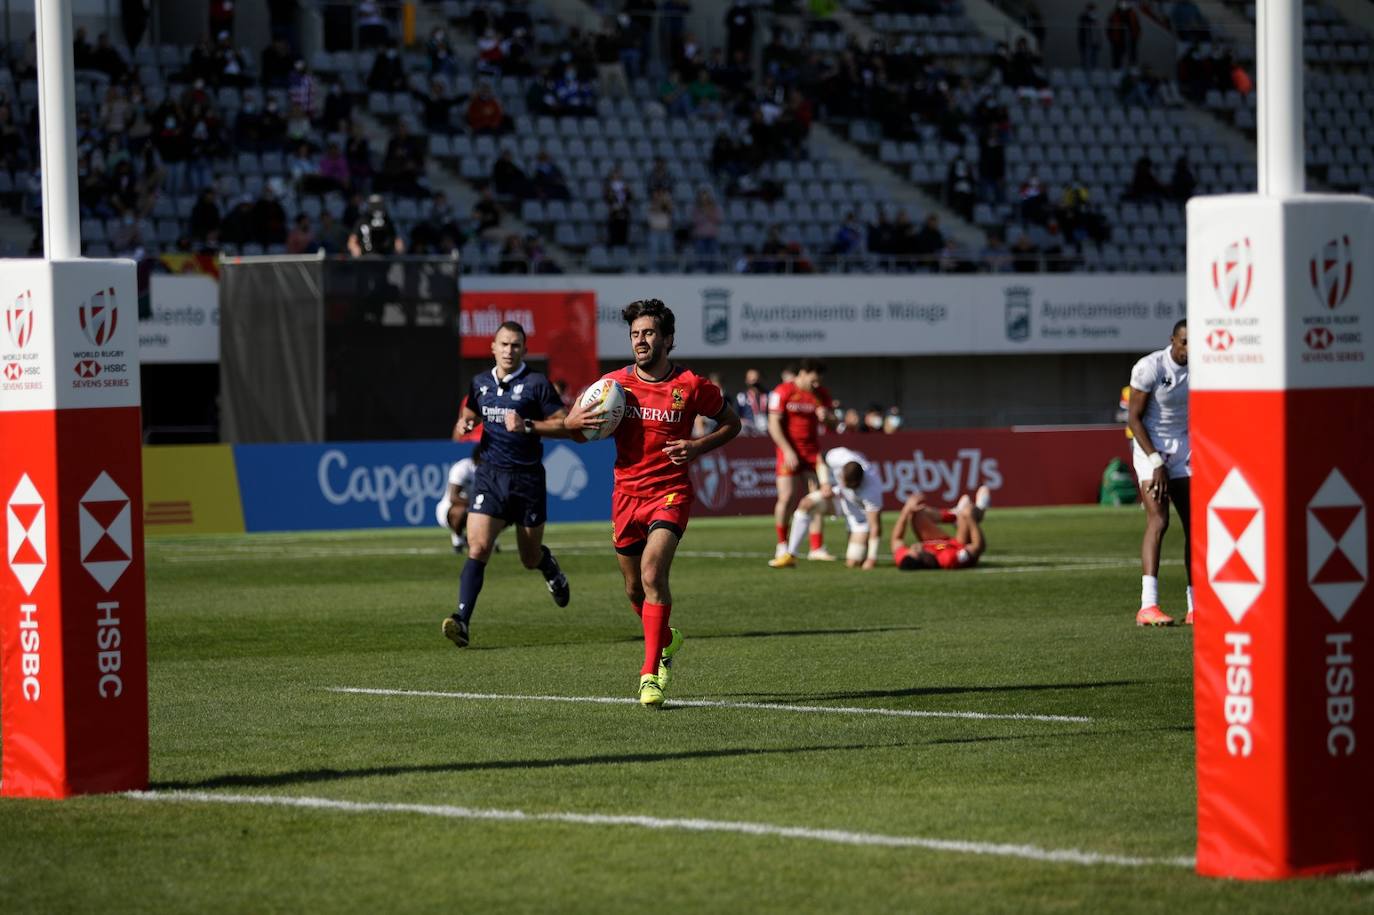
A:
(109, 659)
(1340, 695)
(29, 660)
(1240, 705)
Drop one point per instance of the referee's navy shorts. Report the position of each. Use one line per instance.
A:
(515, 495)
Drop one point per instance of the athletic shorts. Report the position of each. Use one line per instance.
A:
(806, 461)
(633, 516)
(516, 496)
(855, 511)
(1179, 465)
(946, 552)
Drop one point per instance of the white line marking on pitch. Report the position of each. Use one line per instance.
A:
(833, 836)
(716, 703)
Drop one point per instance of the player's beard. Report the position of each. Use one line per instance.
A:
(650, 358)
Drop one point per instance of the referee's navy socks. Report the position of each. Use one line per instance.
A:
(469, 586)
(548, 566)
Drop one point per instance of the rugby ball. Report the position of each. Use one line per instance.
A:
(605, 398)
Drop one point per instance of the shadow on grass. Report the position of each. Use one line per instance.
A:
(699, 636)
(917, 691)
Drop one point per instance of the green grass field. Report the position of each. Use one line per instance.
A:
(249, 635)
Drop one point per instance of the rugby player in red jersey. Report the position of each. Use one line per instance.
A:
(934, 548)
(797, 410)
(652, 500)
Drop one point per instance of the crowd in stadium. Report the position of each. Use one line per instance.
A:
(279, 154)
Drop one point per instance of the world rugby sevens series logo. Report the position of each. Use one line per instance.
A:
(99, 317)
(1332, 272)
(19, 319)
(1233, 274)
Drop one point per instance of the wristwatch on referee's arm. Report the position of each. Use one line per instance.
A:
(529, 426)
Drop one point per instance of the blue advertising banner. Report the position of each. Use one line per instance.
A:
(342, 485)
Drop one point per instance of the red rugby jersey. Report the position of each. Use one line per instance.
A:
(655, 412)
(798, 409)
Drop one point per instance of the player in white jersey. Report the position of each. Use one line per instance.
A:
(1158, 420)
(452, 510)
(850, 483)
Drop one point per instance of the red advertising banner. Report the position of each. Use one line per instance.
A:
(559, 326)
(1022, 467)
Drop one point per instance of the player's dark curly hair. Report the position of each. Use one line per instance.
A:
(652, 308)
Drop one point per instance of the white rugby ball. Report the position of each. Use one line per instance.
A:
(605, 398)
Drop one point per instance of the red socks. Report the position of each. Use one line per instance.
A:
(638, 609)
(948, 516)
(655, 629)
(782, 532)
(816, 541)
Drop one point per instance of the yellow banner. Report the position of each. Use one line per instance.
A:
(191, 489)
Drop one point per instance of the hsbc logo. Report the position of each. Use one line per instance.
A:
(106, 531)
(1233, 274)
(1220, 340)
(13, 371)
(1235, 545)
(1319, 338)
(87, 368)
(19, 319)
(99, 317)
(1331, 271)
(26, 530)
(1337, 545)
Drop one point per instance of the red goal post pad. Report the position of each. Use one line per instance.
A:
(1281, 317)
(73, 658)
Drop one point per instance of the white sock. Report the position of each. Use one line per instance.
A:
(1149, 591)
(983, 498)
(801, 528)
(1190, 598)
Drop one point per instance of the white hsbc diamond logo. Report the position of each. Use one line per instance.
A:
(1337, 545)
(27, 534)
(107, 541)
(1235, 545)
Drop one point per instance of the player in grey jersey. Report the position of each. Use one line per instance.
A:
(1158, 420)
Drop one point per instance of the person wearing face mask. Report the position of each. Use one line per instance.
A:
(752, 404)
(387, 73)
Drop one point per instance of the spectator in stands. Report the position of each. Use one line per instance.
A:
(173, 145)
(1132, 90)
(706, 220)
(332, 237)
(1051, 244)
(994, 257)
(1123, 34)
(373, 29)
(509, 179)
(107, 59)
(114, 111)
(1088, 47)
(610, 71)
(486, 214)
(1183, 183)
(1025, 71)
(302, 238)
(338, 108)
(775, 254)
(81, 50)
(205, 216)
(751, 403)
(514, 258)
(221, 16)
(849, 237)
(930, 241)
(739, 29)
(403, 167)
(892, 420)
(515, 54)
(1025, 256)
(272, 128)
(618, 197)
(673, 95)
(237, 228)
(574, 97)
(1145, 187)
(959, 191)
(269, 219)
(489, 53)
(659, 225)
(485, 114)
(673, 20)
(659, 178)
(230, 69)
(1032, 199)
(387, 73)
(298, 127)
(277, 60)
(139, 129)
(303, 89)
(705, 96)
(332, 173)
(442, 61)
(549, 183)
(436, 104)
(727, 159)
(992, 165)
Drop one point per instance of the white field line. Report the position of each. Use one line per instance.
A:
(716, 703)
(831, 836)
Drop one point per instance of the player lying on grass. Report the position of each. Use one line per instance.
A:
(933, 548)
(652, 497)
(847, 482)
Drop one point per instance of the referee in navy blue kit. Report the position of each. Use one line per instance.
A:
(516, 407)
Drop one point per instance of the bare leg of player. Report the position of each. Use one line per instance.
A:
(925, 519)
(788, 496)
(1180, 493)
(1156, 523)
(534, 555)
(457, 518)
